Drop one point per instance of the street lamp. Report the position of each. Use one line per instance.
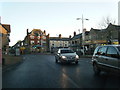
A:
(83, 32)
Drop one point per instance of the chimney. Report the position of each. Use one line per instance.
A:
(27, 32)
(60, 35)
(69, 36)
(44, 32)
(48, 35)
(74, 33)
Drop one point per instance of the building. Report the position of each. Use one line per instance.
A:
(58, 42)
(94, 38)
(76, 42)
(35, 41)
(113, 34)
(110, 35)
(5, 37)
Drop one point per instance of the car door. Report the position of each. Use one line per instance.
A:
(119, 58)
(102, 56)
(112, 58)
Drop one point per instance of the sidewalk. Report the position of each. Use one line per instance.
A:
(10, 60)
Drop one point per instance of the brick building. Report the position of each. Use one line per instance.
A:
(35, 41)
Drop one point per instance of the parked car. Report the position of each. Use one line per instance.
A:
(64, 55)
(106, 58)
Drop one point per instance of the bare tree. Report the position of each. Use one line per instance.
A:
(106, 21)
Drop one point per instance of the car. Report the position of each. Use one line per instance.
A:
(66, 55)
(106, 58)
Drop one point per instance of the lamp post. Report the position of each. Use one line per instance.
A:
(83, 32)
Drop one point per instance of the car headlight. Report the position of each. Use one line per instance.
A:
(77, 56)
(63, 57)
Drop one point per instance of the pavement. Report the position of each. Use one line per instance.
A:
(10, 60)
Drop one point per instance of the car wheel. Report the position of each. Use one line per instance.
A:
(76, 62)
(56, 60)
(96, 69)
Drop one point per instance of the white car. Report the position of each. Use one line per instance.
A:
(64, 55)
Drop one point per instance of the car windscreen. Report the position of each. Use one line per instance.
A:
(67, 51)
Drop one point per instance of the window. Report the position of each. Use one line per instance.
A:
(32, 42)
(65, 45)
(112, 52)
(38, 42)
(67, 51)
(102, 51)
(118, 48)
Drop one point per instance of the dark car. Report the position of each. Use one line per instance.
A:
(64, 55)
(106, 58)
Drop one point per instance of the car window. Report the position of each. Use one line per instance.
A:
(118, 48)
(67, 51)
(102, 51)
(96, 50)
(112, 52)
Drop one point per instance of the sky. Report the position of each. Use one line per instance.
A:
(56, 17)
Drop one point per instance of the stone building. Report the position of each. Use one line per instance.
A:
(113, 34)
(76, 42)
(110, 35)
(58, 42)
(95, 37)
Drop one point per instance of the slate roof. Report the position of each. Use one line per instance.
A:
(60, 39)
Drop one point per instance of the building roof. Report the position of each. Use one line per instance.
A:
(87, 32)
(115, 26)
(59, 39)
(76, 36)
(6, 27)
(96, 30)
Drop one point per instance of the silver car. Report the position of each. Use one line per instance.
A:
(106, 58)
(64, 55)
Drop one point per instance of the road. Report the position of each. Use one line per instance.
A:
(41, 71)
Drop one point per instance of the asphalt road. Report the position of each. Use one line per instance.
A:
(41, 71)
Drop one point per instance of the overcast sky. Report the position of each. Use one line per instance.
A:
(56, 17)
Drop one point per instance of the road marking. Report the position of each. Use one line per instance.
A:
(71, 81)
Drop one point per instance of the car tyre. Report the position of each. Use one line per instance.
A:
(96, 69)
(56, 60)
(76, 62)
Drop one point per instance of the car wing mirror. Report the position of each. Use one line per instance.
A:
(58, 53)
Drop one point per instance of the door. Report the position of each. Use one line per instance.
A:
(112, 58)
(102, 55)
